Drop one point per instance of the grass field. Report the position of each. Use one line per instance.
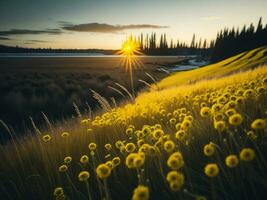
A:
(199, 134)
(240, 62)
(51, 85)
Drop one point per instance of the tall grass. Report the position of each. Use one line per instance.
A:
(139, 143)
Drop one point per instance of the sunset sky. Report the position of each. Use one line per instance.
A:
(105, 23)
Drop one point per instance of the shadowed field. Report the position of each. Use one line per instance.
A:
(51, 85)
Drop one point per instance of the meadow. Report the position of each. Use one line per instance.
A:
(30, 86)
(199, 134)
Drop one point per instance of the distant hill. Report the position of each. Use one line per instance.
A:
(242, 61)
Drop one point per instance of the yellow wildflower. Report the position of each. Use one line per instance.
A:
(211, 170)
(231, 161)
(103, 171)
(247, 154)
(141, 193)
(235, 119)
(83, 175)
(259, 124)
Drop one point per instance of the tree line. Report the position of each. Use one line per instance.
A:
(232, 41)
(150, 44)
(228, 42)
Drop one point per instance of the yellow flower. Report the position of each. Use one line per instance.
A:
(157, 126)
(138, 160)
(230, 112)
(178, 126)
(83, 175)
(110, 164)
(252, 135)
(220, 126)
(186, 124)
(130, 160)
(140, 134)
(130, 147)
(172, 121)
(103, 171)
(211, 170)
(205, 111)
(84, 159)
(65, 134)
(231, 104)
(63, 168)
(141, 193)
(158, 133)
(58, 191)
(67, 159)
(258, 124)
(239, 100)
(218, 117)
(144, 148)
(209, 149)
(46, 138)
(239, 92)
(175, 161)
(129, 131)
(222, 100)
(176, 185)
(183, 110)
(146, 130)
(85, 122)
(216, 107)
(231, 161)
(247, 154)
(180, 135)
(175, 176)
(140, 142)
(235, 119)
(118, 144)
(249, 93)
(116, 161)
(92, 146)
(169, 146)
(108, 147)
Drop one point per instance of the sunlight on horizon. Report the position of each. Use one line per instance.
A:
(130, 50)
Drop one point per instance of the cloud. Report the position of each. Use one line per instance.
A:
(28, 43)
(38, 41)
(106, 28)
(4, 38)
(211, 18)
(30, 32)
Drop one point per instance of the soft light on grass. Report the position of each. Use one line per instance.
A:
(243, 61)
(169, 144)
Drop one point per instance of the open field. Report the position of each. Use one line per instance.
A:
(51, 85)
(202, 140)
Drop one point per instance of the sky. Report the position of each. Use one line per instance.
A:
(104, 24)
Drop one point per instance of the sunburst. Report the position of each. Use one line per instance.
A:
(130, 49)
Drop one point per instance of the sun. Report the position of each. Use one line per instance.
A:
(130, 50)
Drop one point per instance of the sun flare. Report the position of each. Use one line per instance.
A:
(130, 50)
